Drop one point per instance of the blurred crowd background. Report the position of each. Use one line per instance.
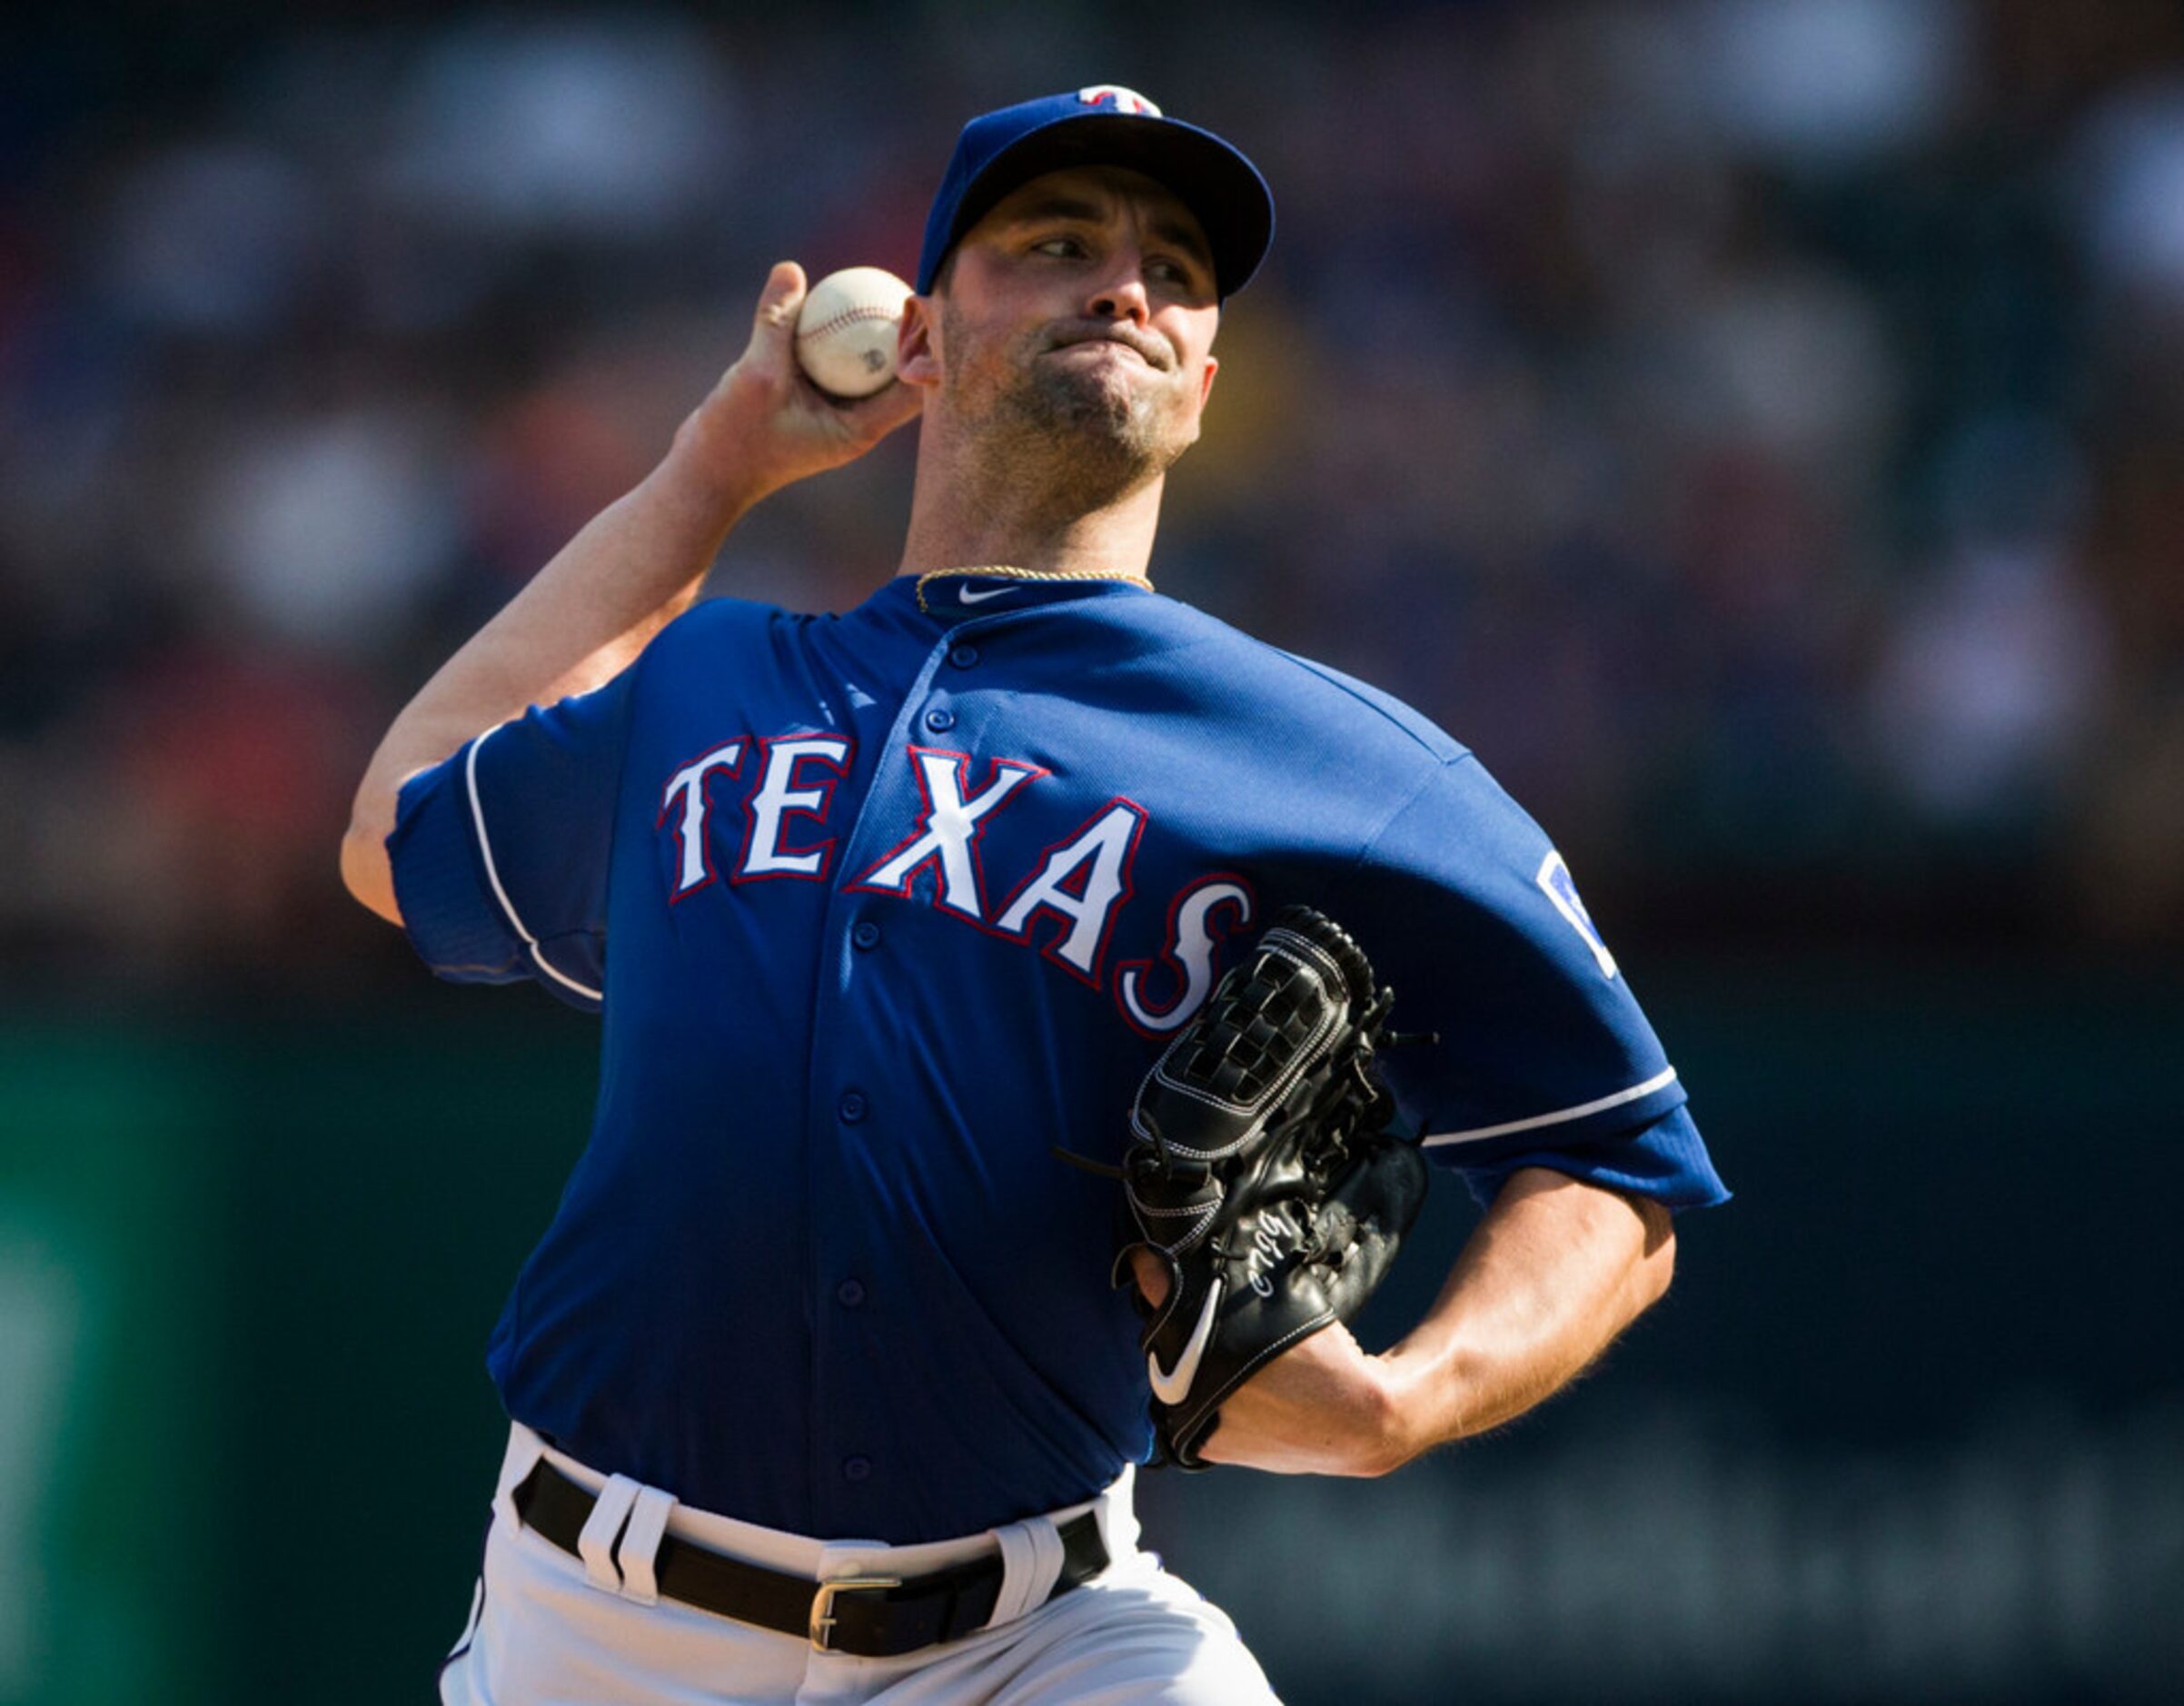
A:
(1756, 427)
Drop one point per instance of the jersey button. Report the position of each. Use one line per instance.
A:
(856, 1468)
(938, 721)
(866, 935)
(850, 1294)
(852, 1107)
(963, 657)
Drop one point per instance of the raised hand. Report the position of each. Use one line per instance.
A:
(765, 425)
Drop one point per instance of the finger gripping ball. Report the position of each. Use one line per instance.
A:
(845, 332)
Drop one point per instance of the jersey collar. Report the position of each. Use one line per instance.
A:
(952, 599)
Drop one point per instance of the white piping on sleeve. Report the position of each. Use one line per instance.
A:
(492, 875)
(1637, 1091)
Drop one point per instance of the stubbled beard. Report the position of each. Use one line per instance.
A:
(1066, 432)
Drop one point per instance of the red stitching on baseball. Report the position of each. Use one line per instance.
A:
(847, 317)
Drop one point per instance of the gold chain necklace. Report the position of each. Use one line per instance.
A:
(1009, 572)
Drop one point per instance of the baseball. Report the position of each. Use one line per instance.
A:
(845, 333)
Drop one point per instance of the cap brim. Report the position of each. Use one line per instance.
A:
(1223, 189)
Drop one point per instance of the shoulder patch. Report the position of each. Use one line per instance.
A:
(1556, 883)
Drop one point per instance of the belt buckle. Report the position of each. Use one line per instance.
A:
(822, 1605)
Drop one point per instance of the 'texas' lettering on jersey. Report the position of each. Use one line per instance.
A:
(1078, 884)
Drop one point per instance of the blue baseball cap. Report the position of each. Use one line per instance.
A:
(1103, 125)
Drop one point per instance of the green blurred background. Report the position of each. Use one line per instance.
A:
(1755, 426)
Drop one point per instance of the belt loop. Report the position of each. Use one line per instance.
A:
(641, 1545)
(595, 1545)
(524, 1450)
(1117, 1514)
(1031, 1563)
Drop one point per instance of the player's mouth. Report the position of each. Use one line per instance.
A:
(1147, 347)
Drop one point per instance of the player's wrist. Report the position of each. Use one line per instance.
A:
(718, 461)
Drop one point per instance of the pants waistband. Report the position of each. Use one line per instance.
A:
(1027, 1547)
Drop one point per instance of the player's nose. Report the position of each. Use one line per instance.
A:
(1121, 293)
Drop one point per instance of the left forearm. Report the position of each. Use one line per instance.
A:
(1549, 1275)
(1553, 1272)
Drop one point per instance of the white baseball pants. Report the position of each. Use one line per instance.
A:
(547, 1628)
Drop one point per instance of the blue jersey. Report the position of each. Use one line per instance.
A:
(878, 909)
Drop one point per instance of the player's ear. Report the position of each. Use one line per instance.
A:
(1206, 390)
(917, 361)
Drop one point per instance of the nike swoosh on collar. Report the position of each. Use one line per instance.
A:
(968, 597)
(1174, 1386)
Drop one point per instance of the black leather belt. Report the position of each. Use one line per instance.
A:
(872, 1617)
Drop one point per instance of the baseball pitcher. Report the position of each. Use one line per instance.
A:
(1020, 932)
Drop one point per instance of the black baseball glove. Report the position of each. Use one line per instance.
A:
(1262, 1173)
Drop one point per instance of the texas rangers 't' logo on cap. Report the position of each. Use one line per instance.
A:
(1121, 99)
(1103, 125)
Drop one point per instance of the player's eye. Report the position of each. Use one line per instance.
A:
(1190, 280)
(1063, 248)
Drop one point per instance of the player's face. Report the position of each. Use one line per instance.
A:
(1081, 308)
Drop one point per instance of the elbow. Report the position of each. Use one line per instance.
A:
(1393, 1439)
(366, 873)
(1656, 1263)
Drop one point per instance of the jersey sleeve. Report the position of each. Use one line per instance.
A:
(501, 851)
(1666, 1160)
(1543, 1056)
